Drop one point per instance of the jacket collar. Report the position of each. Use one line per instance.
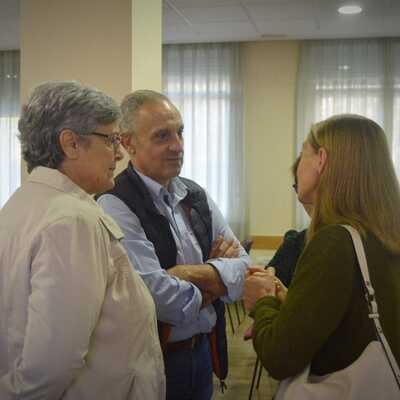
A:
(57, 180)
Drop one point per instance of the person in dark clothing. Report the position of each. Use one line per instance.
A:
(285, 259)
(178, 240)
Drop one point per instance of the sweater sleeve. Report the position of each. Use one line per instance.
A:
(286, 338)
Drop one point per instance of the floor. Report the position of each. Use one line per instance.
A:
(241, 364)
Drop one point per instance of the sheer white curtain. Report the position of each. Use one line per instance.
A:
(204, 82)
(10, 153)
(349, 76)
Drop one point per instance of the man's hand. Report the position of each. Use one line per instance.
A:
(224, 248)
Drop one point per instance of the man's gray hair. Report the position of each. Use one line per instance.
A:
(133, 102)
(54, 106)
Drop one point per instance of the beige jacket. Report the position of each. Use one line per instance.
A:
(76, 320)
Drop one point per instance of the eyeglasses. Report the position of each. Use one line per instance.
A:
(112, 140)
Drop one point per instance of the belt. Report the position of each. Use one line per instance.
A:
(186, 344)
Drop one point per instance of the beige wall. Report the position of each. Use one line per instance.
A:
(270, 73)
(146, 44)
(74, 39)
(100, 43)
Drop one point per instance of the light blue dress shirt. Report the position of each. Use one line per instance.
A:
(177, 302)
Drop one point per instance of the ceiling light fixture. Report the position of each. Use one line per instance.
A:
(350, 9)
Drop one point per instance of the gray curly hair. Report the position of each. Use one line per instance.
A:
(133, 102)
(54, 106)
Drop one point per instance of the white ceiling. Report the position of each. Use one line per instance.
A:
(238, 20)
(186, 21)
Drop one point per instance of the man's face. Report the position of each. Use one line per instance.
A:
(157, 145)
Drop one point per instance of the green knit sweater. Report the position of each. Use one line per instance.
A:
(324, 319)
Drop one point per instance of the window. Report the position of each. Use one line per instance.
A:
(204, 82)
(350, 76)
(10, 153)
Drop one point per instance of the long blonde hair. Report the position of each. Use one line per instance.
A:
(358, 185)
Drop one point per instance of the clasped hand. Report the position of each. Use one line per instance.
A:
(260, 283)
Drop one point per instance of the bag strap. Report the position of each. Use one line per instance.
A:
(371, 300)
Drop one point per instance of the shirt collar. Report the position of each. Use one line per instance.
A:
(176, 189)
(59, 181)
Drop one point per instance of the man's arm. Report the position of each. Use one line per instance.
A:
(204, 276)
(178, 301)
(68, 281)
(231, 270)
(223, 274)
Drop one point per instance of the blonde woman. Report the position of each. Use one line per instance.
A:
(347, 173)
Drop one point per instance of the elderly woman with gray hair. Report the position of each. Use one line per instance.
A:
(76, 320)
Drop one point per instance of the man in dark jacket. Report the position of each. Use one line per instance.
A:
(177, 239)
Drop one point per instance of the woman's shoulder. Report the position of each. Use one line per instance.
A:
(331, 233)
(330, 244)
(338, 233)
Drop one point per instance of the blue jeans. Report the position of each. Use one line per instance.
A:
(189, 373)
